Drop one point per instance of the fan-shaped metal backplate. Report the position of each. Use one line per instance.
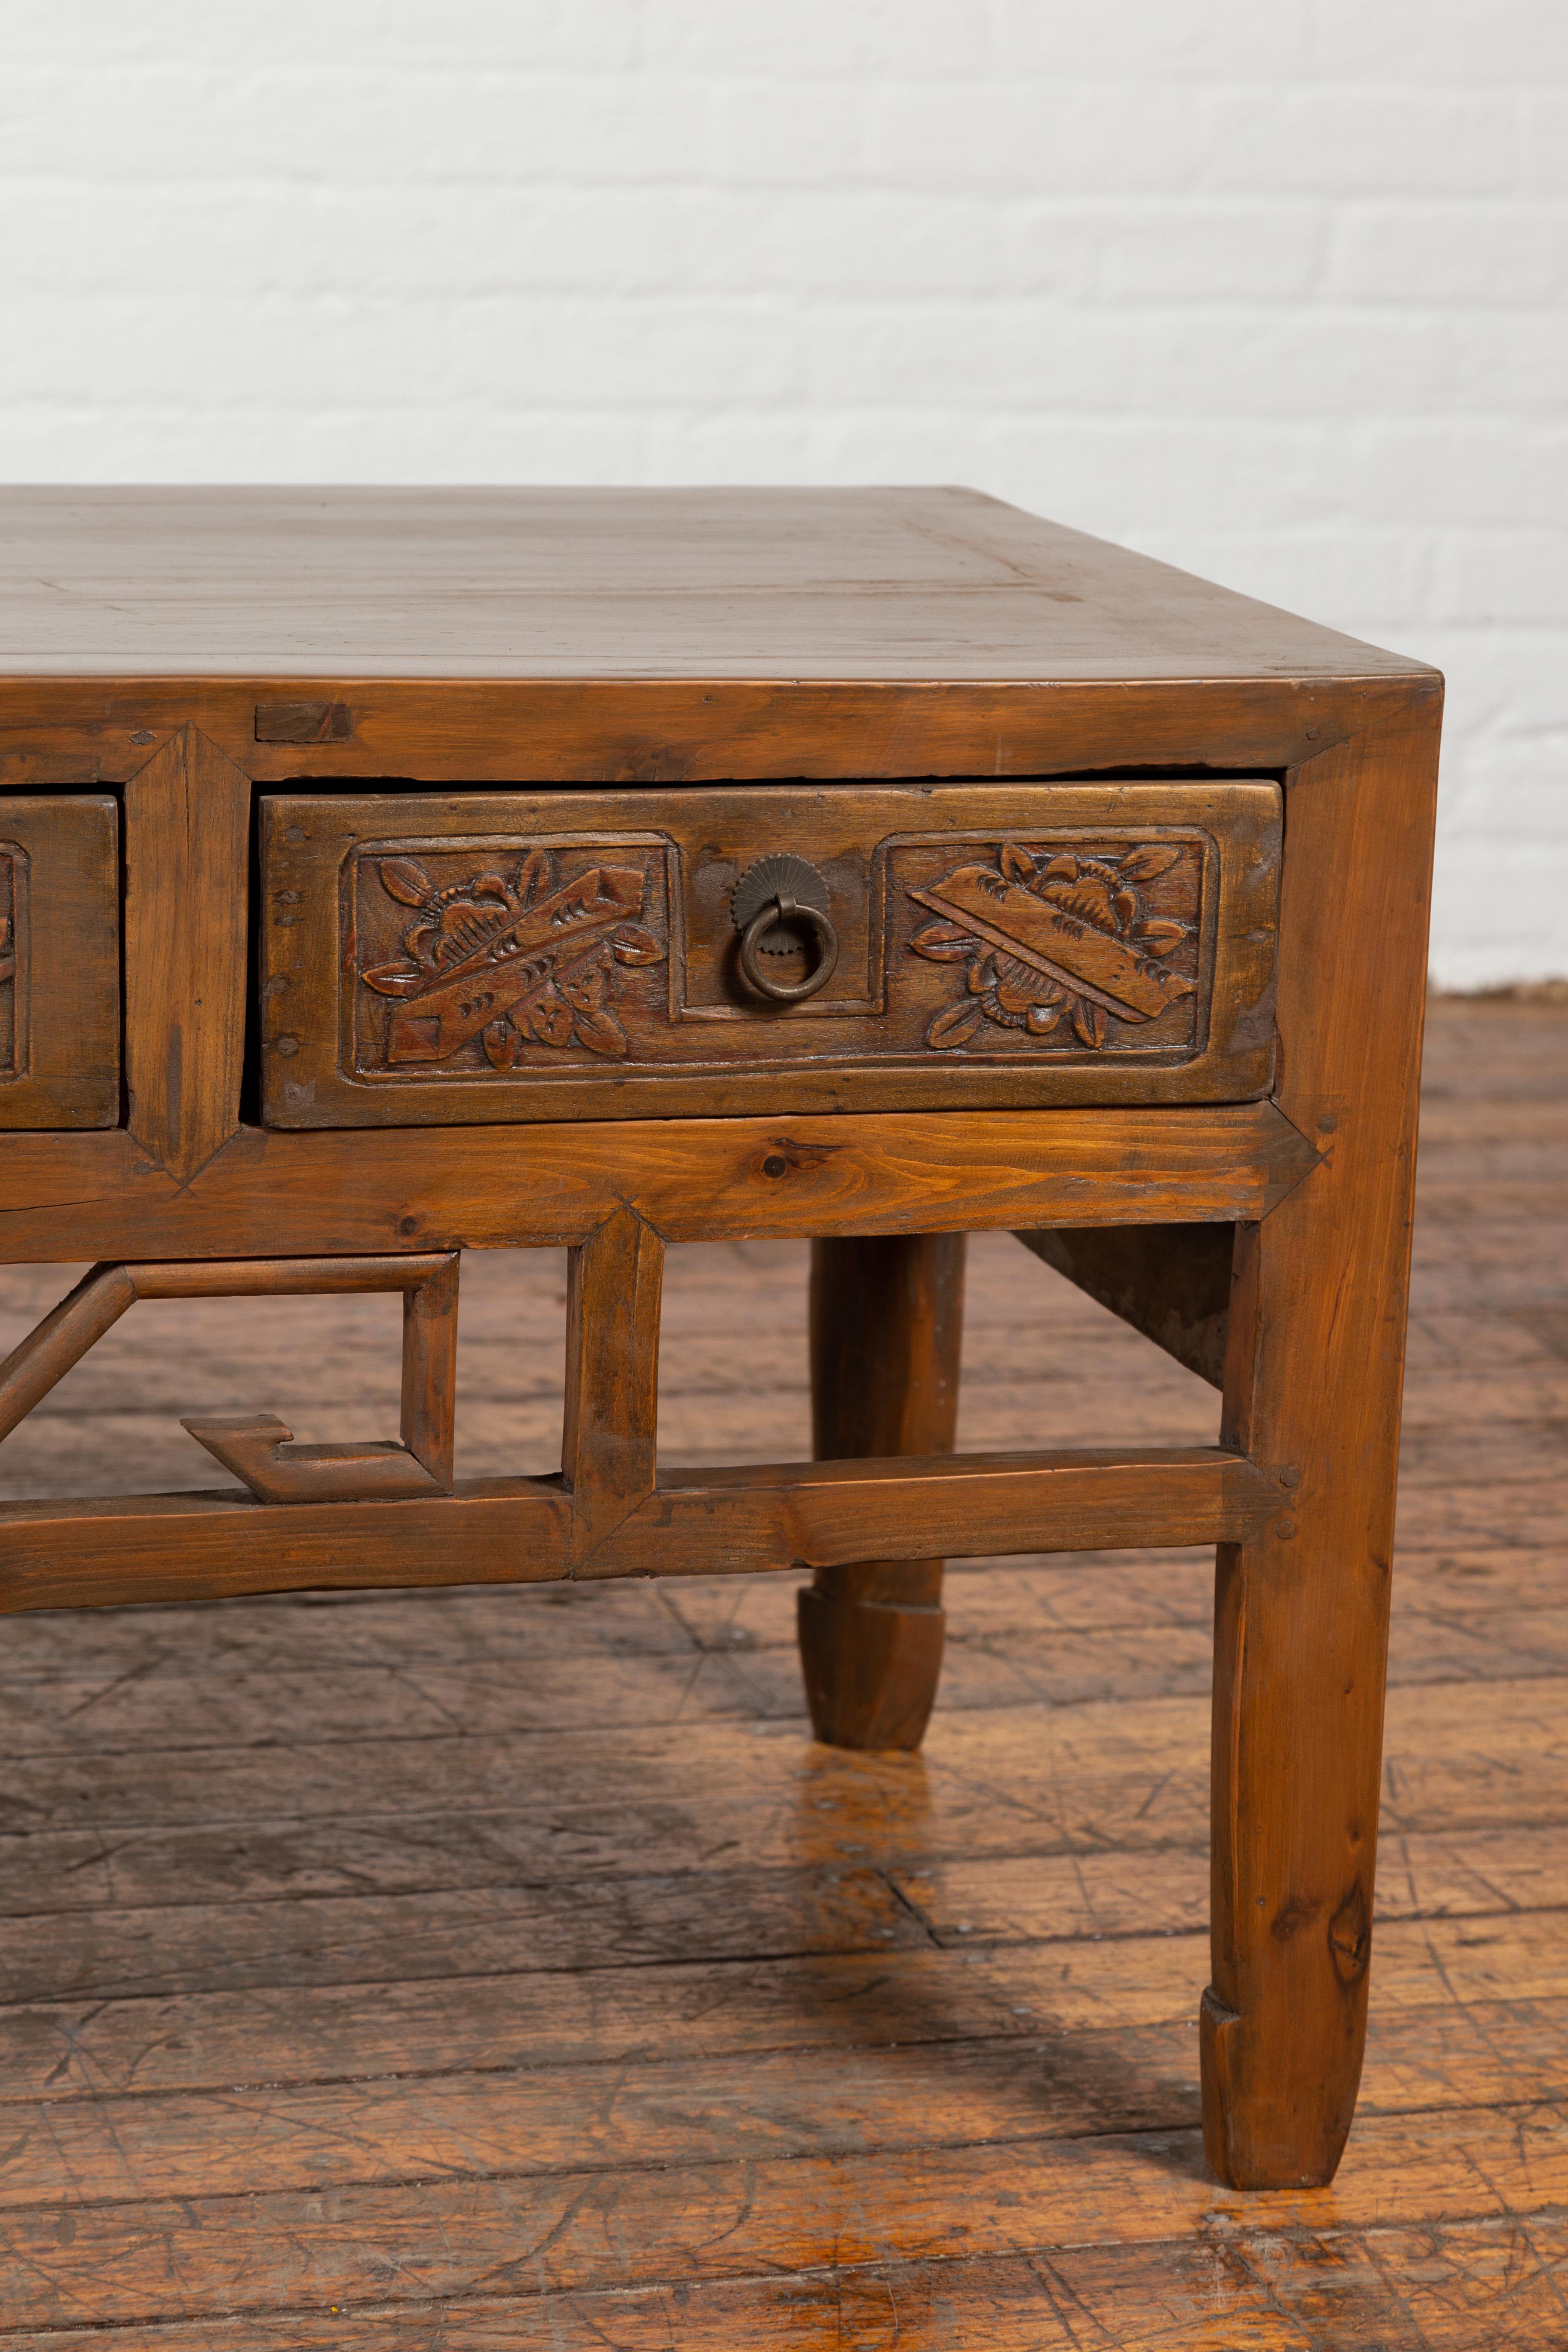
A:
(798, 879)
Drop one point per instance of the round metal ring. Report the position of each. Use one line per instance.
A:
(787, 908)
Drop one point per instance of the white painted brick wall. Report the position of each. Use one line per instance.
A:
(1274, 289)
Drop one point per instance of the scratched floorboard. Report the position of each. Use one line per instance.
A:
(480, 1969)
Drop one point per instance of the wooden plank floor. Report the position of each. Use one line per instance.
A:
(493, 1969)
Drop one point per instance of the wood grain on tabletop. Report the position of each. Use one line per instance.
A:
(638, 637)
(504, 1966)
(673, 583)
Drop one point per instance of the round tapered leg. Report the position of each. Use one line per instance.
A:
(886, 1321)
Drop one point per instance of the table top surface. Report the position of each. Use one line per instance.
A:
(897, 585)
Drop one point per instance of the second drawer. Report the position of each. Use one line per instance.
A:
(437, 958)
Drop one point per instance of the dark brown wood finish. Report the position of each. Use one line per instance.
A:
(887, 1320)
(843, 653)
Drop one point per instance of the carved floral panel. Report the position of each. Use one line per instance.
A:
(495, 960)
(449, 956)
(1084, 947)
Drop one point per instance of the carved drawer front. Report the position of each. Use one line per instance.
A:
(482, 956)
(59, 962)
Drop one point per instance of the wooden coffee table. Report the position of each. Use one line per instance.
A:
(388, 874)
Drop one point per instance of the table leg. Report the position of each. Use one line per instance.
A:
(886, 1321)
(1313, 1394)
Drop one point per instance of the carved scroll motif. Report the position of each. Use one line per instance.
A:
(1059, 943)
(10, 1043)
(510, 956)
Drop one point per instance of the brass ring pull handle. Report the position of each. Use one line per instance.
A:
(788, 896)
(787, 910)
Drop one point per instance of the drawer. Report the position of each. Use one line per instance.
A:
(430, 958)
(59, 962)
